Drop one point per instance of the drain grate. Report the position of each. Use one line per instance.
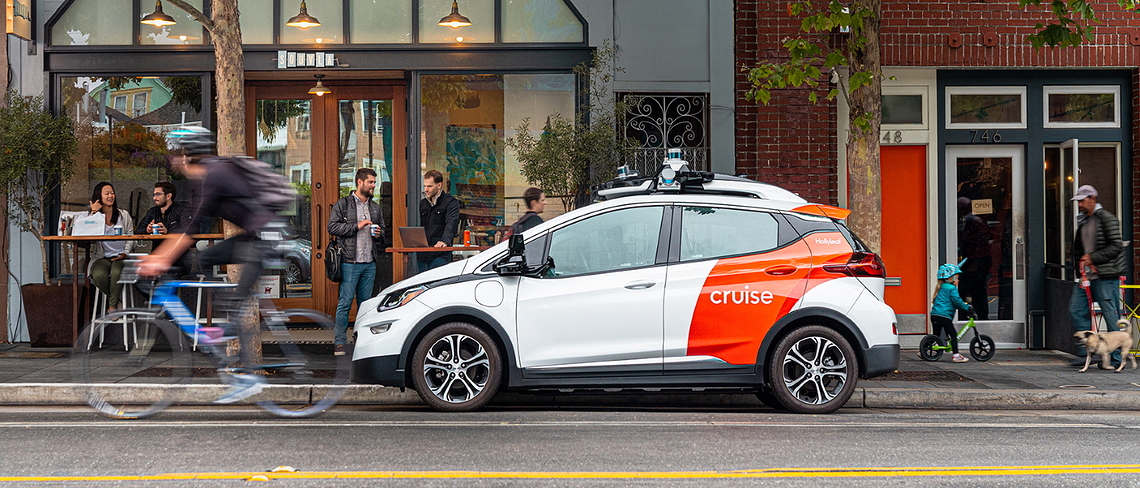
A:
(922, 376)
(168, 372)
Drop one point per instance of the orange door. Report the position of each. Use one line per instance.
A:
(903, 170)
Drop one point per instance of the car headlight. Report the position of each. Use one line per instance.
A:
(400, 298)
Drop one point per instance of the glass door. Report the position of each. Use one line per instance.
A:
(1067, 167)
(986, 187)
(319, 143)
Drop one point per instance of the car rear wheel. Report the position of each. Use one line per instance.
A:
(456, 367)
(813, 370)
(293, 274)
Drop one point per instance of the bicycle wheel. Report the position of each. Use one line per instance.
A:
(926, 348)
(982, 347)
(298, 359)
(129, 380)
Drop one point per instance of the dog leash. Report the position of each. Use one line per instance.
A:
(1088, 295)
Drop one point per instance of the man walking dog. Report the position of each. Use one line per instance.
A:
(1099, 253)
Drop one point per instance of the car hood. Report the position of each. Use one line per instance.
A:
(449, 270)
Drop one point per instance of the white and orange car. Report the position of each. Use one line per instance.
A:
(682, 280)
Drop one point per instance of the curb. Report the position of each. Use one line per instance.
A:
(884, 398)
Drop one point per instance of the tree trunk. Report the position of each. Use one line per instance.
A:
(863, 176)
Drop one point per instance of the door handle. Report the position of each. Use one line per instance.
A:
(318, 235)
(640, 285)
(781, 270)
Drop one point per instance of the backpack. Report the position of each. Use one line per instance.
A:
(517, 225)
(273, 191)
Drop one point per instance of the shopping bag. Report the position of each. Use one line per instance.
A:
(89, 226)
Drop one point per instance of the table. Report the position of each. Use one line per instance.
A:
(75, 256)
(408, 250)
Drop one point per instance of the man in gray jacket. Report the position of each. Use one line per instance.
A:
(357, 222)
(1097, 249)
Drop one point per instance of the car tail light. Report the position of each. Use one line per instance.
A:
(861, 265)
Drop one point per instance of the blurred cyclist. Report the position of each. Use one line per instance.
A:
(225, 193)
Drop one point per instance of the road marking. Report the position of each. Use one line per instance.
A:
(582, 423)
(881, 472)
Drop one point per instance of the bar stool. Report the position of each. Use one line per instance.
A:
(99, 309)
(200, 319)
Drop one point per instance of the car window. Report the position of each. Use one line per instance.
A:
(621, 239)
(708, 232)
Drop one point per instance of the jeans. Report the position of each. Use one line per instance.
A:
(434, 263)
(357, 283)
(105, 274)
(1106, 292)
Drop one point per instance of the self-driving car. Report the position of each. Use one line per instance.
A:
(683, 280)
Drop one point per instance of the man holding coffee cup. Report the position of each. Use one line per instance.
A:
(166, 217)
(357, 221)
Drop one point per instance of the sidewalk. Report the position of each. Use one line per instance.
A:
(1013, 379)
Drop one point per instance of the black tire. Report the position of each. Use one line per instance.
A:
(813, 370)
(159, 361)
(296, 352)
(292, 274)
(926, 349)
(982, 347)
(457, 367)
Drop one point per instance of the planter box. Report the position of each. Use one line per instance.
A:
(48, 309)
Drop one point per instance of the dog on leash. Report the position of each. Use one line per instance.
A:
(1104, 343)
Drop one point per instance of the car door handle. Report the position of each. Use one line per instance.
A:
(640, 285)
(781, 270)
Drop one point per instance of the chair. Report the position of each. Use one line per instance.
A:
(99, 309)
(199, 318)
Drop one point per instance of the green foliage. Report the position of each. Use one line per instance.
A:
(36, 148)
(573, 153)
(1073, 22)
(273, 115)
(129, 145)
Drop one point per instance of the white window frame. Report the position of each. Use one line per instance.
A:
(1081, 90)
(987, 90)
(910, 90)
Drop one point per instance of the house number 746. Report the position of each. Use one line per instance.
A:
(985, 136)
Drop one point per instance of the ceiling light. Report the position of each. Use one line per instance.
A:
(303, 19)
(158, 18)
(320, 90)
(454, 20)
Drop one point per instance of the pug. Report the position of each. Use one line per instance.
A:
(1104, 343)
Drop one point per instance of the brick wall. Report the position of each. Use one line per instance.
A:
(793, 143)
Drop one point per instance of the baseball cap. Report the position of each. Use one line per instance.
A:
(1084, 192)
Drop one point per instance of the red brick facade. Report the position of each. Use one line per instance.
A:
(793, 142)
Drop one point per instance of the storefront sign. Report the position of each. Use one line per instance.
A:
(18, 18)
(983, 207)
(289, 59)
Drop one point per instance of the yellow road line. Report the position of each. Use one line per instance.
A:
(756, 473)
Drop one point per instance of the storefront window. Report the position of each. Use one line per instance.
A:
(481, 13)
(285, 142)
(985, 107)
(331, 30)
(465, 121)
(256, 21)
(186, 31)
(1082, 106)
(381, 21)
(88, 23)
(540, 21)
(902, 109)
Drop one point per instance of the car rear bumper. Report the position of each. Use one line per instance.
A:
(880, 360)
(378, 370)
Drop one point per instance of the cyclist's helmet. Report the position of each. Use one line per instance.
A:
(948, 270)
(191, 141)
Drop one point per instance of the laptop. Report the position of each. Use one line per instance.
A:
(413, 237)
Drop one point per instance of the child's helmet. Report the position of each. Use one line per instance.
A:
(947, 270)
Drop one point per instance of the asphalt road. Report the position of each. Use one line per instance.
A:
(550, 447)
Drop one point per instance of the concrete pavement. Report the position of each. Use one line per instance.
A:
(1013, 379)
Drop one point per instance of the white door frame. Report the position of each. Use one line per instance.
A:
(1016, 153)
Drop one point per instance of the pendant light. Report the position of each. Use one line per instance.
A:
(303, 19)
(454, 20)
(320, 90)
(158, 18)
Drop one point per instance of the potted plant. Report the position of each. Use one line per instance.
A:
(36, 148)
(571, 154)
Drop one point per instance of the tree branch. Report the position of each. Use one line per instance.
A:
(194, 12)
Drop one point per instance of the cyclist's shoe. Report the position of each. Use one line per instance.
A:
(958, 358)
(213, 335)
(244, 386)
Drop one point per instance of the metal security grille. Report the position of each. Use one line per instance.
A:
(660, 122)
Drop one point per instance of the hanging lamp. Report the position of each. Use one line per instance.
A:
(303, 19)
(158, 18)
(454, 19)
(320, 90)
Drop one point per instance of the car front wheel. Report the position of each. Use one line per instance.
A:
(456, 367)
(813, 370)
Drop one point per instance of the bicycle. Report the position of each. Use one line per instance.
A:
(981, 346)
(160, 370)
